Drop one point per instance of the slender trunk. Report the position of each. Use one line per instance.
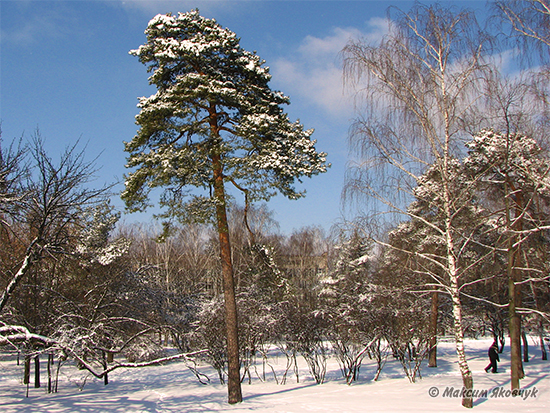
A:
(37, 372)
(467, 378)
(50, 363)
(514, 289)
(514, 300)
(541, 338)
(27, 370)
(434, 312)
(104, 363)
(57, 374)
(502, 340)
(515, 340)
(452, 269)
(541, 324)
(525, 346)
(466, 373)
(234, 379)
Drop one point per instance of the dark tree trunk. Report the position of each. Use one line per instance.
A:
(434, 312)
(516, 365)
(57, 374)
(525, 347)
(104, 362)
(27, 370)
(50, 363)
(232, 329)
(541, 323)
(541, 338)
(514, 297)
(37, 372)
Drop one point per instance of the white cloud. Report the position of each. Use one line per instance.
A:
(314, 71)
(35, 26)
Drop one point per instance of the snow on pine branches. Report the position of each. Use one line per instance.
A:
(212, 97)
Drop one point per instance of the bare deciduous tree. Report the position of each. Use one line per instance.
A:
(56, 194)
(530, 20)
(418, 83)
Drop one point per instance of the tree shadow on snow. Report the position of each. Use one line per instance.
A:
(294, 387)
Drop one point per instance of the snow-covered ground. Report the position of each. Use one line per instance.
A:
(172, 388)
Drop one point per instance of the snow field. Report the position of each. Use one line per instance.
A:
(173, 388)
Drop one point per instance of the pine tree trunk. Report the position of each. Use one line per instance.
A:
(516, 365)
(514, 293)
(434, 312)
(234, 379)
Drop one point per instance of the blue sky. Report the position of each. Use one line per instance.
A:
(65, 69)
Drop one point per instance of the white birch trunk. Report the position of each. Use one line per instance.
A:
(465, 372)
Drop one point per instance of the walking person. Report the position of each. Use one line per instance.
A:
(493, 357)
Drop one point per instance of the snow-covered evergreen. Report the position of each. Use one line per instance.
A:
(213, 97)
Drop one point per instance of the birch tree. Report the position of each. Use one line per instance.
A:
(417, 85)
(214, 121)
(529, 20)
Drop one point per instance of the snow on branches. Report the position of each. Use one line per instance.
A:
(513, 156)
(212, 98)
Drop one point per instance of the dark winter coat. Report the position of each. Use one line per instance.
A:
(493, 353)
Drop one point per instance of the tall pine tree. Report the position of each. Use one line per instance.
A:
(214, 120)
